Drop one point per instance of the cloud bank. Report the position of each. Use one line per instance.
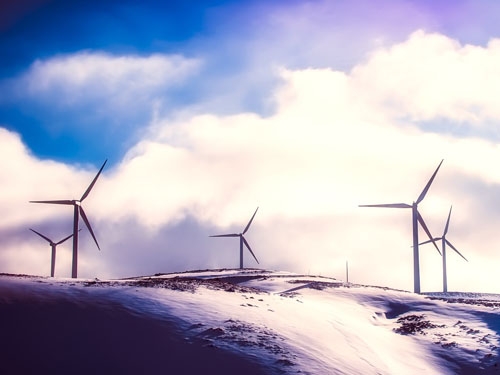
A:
(336, 139)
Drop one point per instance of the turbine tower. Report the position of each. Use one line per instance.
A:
(77, 212)
(53, 246)
(242, 240)
(416, 219)
(444, 242)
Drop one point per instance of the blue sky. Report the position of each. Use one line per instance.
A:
(206, 110)
(55, 28)
(218, 33)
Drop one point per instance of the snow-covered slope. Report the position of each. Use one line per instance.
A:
(263, 322)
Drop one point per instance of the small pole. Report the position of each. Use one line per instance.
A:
(347, 271)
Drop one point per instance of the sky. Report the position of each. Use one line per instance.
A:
(206, 111)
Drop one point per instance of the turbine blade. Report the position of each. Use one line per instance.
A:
(226, 235)
(447, 223)
(388, 205)
(249, 223)
(66, 238)
(65, 201)
(249, 249)
(84, 217)
(422, 223)
(454, 248)
(429, 241)
(426, 188)
(41, 235)
(93, 182)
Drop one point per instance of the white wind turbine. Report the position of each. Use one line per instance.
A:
(77, 212)
(444, 242)
(53, 246)
(416, 219)
(242, 240)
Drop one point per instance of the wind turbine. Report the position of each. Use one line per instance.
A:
(53, 246)
(242, 240)
(416, 219)
(444, 242)
(77, 212)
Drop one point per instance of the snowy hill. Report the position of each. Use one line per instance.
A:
(241, 321)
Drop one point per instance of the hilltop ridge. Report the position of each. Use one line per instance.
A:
(252, 320)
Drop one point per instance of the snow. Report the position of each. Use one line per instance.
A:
(302, 323)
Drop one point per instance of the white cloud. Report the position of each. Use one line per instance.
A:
(97, 77)
(23, 177)
(334, 142)
(432, 76)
